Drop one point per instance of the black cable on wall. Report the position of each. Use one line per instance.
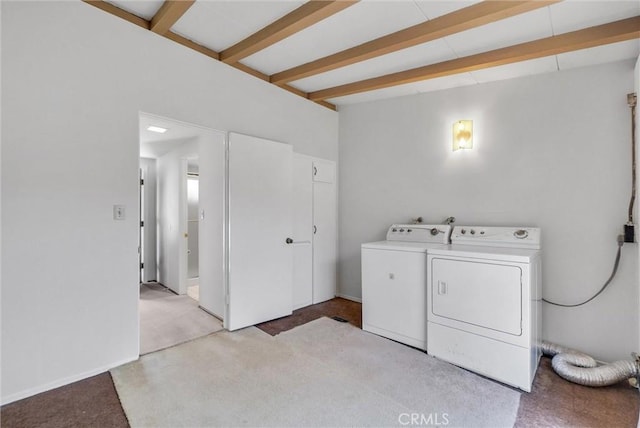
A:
(629, 232)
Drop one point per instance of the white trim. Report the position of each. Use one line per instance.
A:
(218, 317)
(180, 122)
(352, 298)
(64, 381)
(226, 241)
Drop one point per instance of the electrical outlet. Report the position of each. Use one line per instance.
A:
(629, 232)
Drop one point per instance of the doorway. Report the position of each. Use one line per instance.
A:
(178, 298)
(244, 269)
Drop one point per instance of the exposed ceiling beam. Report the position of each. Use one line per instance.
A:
(141, 22)
(251, 71)
(618, 31)
(120, 13)
(463, 19)
(191, 44)
(168, 14)
(305, 16)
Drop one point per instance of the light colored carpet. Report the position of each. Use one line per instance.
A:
(167, 319)
(193, 291)
(323, 373)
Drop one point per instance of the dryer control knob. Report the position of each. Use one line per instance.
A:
(408, 230)
(401, 230)
(473, 232)
(520, 233)
(463, 231)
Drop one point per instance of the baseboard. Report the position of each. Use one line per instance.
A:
(355, 299)
(62, 382)
(211, 313)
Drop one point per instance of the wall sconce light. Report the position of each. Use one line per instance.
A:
(463, 135)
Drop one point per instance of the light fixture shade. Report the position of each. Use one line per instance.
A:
(463, 135)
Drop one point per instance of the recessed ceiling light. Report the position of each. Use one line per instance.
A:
(157, 129)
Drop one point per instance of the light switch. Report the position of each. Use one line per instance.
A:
(201, 214)
(118, 212)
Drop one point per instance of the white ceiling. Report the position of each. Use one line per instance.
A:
(153, 145)
(220, 24)
(143, 8)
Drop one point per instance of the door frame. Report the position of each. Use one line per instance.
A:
(220, 137)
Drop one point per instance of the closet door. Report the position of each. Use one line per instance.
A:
(324, 171)
(325, 231)
(302, 231)
(260, 231)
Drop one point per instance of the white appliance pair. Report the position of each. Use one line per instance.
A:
(474, 303)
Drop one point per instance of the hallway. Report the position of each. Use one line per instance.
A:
(167, 319)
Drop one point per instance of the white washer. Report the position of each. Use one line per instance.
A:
(485, 301)
(394, 282)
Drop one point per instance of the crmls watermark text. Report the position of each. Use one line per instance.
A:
(423, 419)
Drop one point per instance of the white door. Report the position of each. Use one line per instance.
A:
(172, 221)
(325, 235)
(302, 231)
(483, 294)
(260, 223)
(324, 171)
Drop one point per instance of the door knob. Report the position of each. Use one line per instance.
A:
(289, 241)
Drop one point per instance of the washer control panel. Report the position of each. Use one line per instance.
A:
(436, 233)
(489, 236)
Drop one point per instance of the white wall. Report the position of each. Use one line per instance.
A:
(209, 148)
(550, 151)
(148, 167)
(1, 136)
(73, 81)
(211, 262)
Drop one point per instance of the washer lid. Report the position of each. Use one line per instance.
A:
(420, 247)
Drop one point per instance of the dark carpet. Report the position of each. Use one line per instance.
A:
(346, 309)
(553, 401)
(91, 402)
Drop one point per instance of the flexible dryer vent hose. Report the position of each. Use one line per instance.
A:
(580, 368)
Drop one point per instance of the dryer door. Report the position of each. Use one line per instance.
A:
(485, 294)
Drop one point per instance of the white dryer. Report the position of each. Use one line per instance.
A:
(484, 310)
(394, 282)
